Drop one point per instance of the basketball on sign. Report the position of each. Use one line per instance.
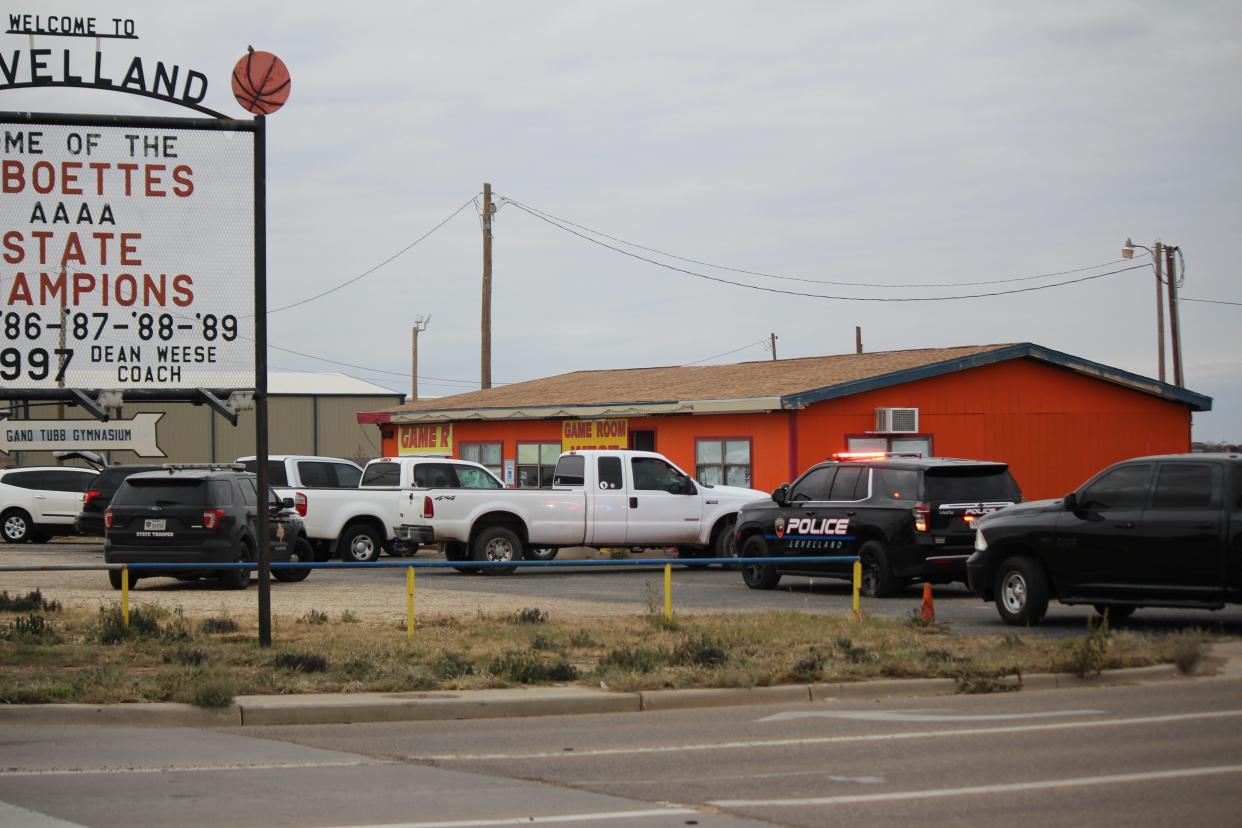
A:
(261, 82)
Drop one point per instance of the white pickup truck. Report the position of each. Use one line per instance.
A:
(598, 499)
(351, 513)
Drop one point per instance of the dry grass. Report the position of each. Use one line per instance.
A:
(82, 656)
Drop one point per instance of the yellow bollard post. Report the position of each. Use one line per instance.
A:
(125, 596)
(857, 587)
(668, 592)
(409, 602)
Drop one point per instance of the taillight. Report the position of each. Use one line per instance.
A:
(87, 497)
(212, 517)
(299, 503)
(107, 518)
(922, 515)
(429, 510)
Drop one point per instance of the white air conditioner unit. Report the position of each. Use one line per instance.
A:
(897, 420)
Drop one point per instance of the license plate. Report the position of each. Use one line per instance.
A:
(154, 525)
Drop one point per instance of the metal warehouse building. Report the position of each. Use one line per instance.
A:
(1055, 418)
(309, 413)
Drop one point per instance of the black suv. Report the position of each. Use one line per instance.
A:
(199, 515)
(98, 496)
(906, 518)
(1162, 531)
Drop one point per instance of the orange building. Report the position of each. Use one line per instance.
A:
(1054, 418)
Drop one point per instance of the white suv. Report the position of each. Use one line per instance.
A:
(37, 503)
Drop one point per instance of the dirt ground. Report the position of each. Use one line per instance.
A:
(368, 595)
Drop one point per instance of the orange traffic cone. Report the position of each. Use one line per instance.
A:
(928, 611)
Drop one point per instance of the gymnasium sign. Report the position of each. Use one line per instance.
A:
(127, 244)
(594, 434)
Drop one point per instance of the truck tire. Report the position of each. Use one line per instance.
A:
(758, 576)
(1021, 592)
(359, 544)
(725, 544)
(497, 543)
(114, 578)
(878, 580)
(237, 578)
(15, 526)
(541, 553)
(457, 551)
(301, 553)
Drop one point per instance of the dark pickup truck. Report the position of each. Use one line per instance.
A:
(1162, 531)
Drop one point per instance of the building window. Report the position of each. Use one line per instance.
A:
(722, 462)
(536, 463)
(920, 444)
(485, 454)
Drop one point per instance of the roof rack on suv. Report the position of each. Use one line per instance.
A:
(873, 455)
(205, 466)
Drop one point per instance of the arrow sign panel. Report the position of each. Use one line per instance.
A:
(136, 435)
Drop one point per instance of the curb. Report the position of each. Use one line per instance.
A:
(357, 708)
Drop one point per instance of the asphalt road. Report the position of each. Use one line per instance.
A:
(694, 590)
(1160, 754)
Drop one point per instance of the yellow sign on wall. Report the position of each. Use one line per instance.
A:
(424, 439)
(594, 434)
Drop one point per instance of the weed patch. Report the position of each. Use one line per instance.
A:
(31, 630)
(349, 617)
(530, 615)
(300, 662)
(633, 660)
(703, 651)
(314, 616)
(217, 626)
(32, 601)
(111, 629)
(528, 668)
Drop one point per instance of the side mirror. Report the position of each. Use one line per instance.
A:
(780, 495)
(1071, 502)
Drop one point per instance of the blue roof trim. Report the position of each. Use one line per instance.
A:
(1136, 382)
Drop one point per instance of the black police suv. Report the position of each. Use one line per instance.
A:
(1162, 531)
(98, 496)
(906, 518)
(200, 515)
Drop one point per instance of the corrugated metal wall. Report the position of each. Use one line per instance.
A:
(196, 434)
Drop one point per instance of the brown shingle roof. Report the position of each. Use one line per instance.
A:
(745, 380)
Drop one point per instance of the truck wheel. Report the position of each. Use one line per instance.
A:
(114, 578)
(541, 553)
(16, 526)
(1021, 592)
(457, 551)
(758, 576)
(398, 548)
(878, 580)
(359, 544)
(725, 545)
(301, 553)
(498, 543)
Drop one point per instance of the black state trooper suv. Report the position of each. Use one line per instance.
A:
(907, 518)
(196, 514)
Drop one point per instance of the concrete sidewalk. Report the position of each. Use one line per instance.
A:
(1225, 662)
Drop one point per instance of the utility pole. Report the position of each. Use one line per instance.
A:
(1175, 335)
(420, 324)
(1160, 309)
(858, 339)
(485, 375)
(774, 338)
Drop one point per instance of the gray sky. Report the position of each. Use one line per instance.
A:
(913, 143)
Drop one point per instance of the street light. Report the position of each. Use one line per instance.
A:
(1127, 252)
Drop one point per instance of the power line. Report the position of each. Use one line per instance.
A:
(1208, 301)
(400, 252)
(821, 295)
(726, 353)
(369, 368)
(546, 216)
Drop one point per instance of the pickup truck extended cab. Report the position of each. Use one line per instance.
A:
(598, 498)
(1162, 531)
(350, 512)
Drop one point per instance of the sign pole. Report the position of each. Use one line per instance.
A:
(260, 378)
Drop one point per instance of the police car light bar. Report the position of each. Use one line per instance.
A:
(872, 455)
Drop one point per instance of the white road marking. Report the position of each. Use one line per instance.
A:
(829, 740)
(715, 778)
(227, 766)
(1113, 779)
(537, 820)
(13, 815)
(916, 716)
